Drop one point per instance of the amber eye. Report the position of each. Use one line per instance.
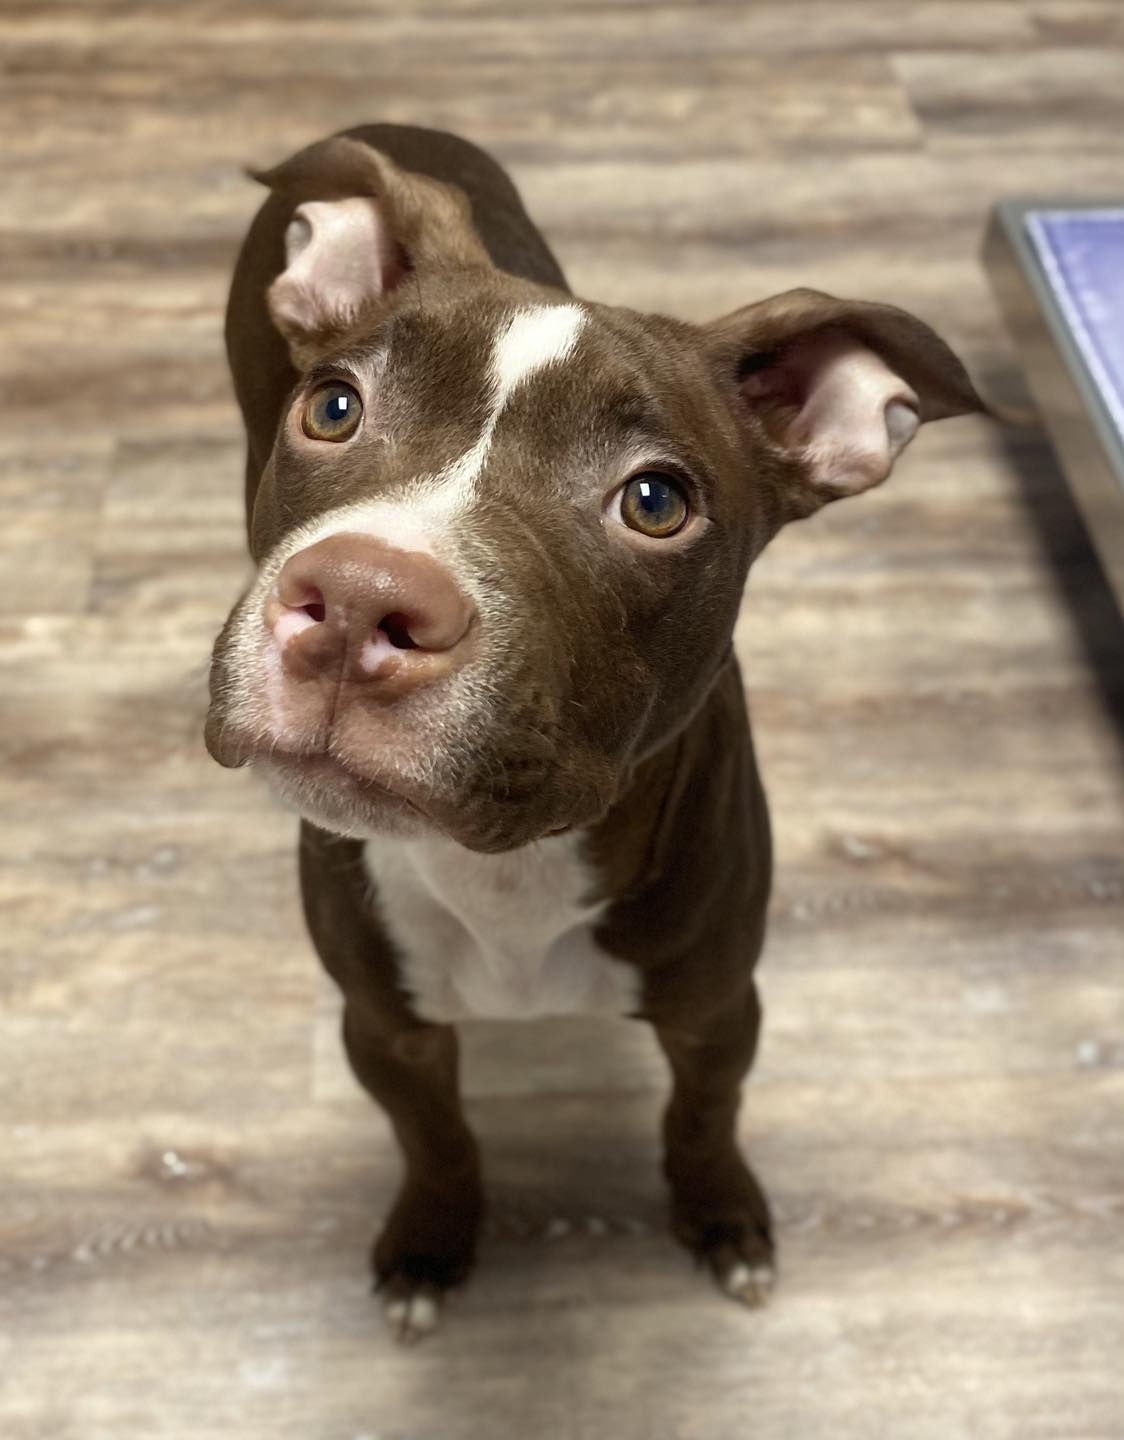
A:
(332, 412)
(654, 505)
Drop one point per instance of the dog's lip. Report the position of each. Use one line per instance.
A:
(325, 766)
(319, 765)
(233, 751)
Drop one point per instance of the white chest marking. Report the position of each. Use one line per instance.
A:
(500, 937)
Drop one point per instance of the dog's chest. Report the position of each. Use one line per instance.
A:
(501, 937)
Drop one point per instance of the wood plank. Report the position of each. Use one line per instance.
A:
(191, 1176)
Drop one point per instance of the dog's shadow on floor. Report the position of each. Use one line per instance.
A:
(568, 1114)
(1069, 553)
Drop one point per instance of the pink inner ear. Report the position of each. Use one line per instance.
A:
(339, 257)
(840, 407)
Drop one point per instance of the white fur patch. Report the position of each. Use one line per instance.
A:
(530, 341)
(501, 937)
(533, 340)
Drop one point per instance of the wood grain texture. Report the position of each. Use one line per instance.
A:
(190, 1177)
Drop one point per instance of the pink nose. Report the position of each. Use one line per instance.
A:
(352, 607)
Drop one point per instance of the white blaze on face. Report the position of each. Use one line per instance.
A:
(428, 510)
(530, 341)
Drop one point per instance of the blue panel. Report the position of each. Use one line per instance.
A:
(1082, 254)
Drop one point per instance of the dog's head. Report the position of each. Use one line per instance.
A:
(502, 534)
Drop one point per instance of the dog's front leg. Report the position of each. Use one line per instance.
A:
(718, 1209)
(428, 1241)
(409, 1066)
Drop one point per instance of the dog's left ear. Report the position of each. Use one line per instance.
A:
(839, 387)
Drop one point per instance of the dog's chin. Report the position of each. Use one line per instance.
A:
(342, 802)
(338, 800)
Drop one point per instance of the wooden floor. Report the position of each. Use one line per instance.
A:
(189, 1178)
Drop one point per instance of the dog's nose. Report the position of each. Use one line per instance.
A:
(353, 607)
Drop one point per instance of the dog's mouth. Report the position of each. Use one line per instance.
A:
(322, 785)
(365, 774)
(333, 793)
(343, 799)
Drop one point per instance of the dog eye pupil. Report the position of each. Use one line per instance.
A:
(654, 497)
(654, 505)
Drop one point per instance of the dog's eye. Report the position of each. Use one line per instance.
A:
(332, 412)
(654, 505)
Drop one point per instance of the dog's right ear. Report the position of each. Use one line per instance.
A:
(360, 225)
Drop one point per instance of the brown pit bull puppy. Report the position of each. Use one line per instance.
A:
(501, 536)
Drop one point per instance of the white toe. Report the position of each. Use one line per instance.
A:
(750, 1284)
(412, 1316)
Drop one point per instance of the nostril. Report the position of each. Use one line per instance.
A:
(292, 610)
(315, 608)
(396, 628)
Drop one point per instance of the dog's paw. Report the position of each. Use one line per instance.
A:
(412, 1308)
(721, 1215)
(413, 1294)
(738, 1255)
(425, 1249)
(747, 1279)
